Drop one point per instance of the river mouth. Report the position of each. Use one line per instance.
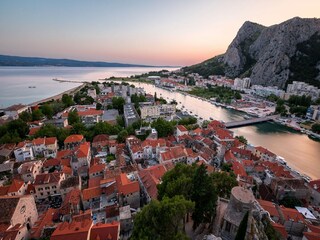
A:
(301, 152)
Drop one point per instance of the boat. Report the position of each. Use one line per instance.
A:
(32, 86)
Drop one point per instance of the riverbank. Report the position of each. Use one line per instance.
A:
(58, 96)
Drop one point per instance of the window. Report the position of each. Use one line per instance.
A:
(228, 226)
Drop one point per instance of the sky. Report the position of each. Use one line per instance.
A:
(153, 32)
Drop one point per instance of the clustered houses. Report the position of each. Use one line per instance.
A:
(79, 193)
(39, 147)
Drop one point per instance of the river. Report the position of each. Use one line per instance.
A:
(301, 152)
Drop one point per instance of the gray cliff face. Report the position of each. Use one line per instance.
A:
(235, 58)
(264, 52)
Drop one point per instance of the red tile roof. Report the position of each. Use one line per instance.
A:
(315, 184)
(290, 213)
(269, 207)
(151, 177)
(238, 169)
(90, 112)
(4, 190)
(90, 193)
(51, 162)
(182, 128)
(265, 151)
(154, 143)
(50, 140)
(75, 230)
(105, 231)
(100, 138)
(44, 220)
(15, 186)
(96, 168)
(73, 138)
(126, 186)
(281, 229)
(46, 178)
(83, 150)
(33, 131)
(311, 235)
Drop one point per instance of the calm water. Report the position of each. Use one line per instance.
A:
(300, 152)
(15, 81)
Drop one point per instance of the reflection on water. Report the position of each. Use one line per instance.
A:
(301, 152)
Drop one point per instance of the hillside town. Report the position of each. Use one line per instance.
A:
(88, 165)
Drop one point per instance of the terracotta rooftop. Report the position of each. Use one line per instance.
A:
(182, 128)
(73, 139)
(280, 229)
(151, 177)
(33, 131)
(291, 214)
(265, 151)
(46, 178)
(51, 162)
(126, 186)
(100, 138)
(269, 207)
(105, 231)
(96, 168)
(44, 220)
(72, 231)
(15, 186)
(83, 150)
(90, 193)
(154, 143)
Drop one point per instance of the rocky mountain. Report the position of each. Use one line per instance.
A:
(271, 56)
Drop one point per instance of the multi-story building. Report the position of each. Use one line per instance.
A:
(18, 210)
(48, 184)
(241, 83)
(130, 114)
(128, 190)
(302, 88)
(24, 151)
(29, 170)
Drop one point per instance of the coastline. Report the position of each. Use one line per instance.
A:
(58, 96)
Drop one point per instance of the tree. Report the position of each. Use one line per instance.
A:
(316, 127)
(99, 106)
(25, 116)
(17, 126)
(204, 197)
(162, 219)
(242, 230)
(37, 115)
(47, 110)
(163, 127)
(177, 181)
(226, 167)
(67, 100)
(290, 202)
(242, 139)
(73, 117)
(117, 103)
(223, 183)
(122, 136)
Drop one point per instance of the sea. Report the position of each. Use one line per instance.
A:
(29, 84)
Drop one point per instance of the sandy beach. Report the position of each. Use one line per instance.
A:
(58, 96)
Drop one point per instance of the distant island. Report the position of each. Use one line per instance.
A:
(6, 60)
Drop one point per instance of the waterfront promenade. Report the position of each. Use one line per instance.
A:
(71, 91)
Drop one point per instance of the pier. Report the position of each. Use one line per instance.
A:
(250, 121)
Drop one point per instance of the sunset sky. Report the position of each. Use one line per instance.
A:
(155, 32)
